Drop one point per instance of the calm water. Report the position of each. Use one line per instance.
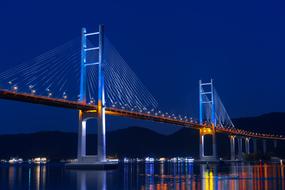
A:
(145, 176)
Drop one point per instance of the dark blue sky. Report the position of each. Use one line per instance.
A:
(170, 46)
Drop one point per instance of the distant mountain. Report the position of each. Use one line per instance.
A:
(267, 123)
(133, 141)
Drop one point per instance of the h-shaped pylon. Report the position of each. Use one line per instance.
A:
(210, 100)
(100, 112)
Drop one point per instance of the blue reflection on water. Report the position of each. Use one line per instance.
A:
(145, 176)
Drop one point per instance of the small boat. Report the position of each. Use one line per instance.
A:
(174, 160)
(189, 160)
(39, 160)
(126, 160)
(15, 161)
(177, 160)
(149, 160)
(3, 161)
(162, 160)
(113, 160)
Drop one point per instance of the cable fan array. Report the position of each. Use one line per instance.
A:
(123, 87)
(222, 117)
(125, 90)
(56, 74)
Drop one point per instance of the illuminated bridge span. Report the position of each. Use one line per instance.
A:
(4, 94)
(51, 79)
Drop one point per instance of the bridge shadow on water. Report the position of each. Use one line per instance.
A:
(145, 176)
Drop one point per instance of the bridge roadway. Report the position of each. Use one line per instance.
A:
(43, 100)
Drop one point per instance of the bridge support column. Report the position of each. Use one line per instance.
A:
(101, 136)
(233, 147)
(81, 149)
(247, 145)
(85, 161)
(240, 148)
(100, 160)
(81, 153)
(203, 133)
(254, 146)
(264, 146)
(101, 144)
(201, 146)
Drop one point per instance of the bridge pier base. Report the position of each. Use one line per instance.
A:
(98, 161)
(203, 157)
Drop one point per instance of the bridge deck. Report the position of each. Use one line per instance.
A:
(35, 99)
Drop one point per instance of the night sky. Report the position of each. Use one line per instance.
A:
(169, 44)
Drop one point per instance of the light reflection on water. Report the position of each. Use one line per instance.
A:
(145, 177)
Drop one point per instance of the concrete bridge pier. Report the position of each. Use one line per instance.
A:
(240, 148)
(201, 146)
(232, 147)
(203, 133)
(85, 161)
(81, 146)
(101, 138)
(247, 145)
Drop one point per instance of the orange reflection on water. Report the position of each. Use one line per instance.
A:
(235, 177)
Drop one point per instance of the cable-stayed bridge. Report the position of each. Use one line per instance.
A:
(89, 75)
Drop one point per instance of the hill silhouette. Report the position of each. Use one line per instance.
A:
(134, 141)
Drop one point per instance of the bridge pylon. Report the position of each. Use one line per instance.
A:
(207, 90)
(99, 160)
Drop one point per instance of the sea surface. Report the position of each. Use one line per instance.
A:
(145, 176)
